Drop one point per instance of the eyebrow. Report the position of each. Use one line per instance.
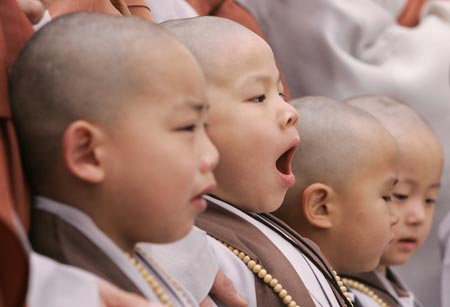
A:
(391, 182)
(199, 107)
(260, 78)
(436, 185)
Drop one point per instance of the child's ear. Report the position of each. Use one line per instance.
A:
(82, 151)
(316, 205)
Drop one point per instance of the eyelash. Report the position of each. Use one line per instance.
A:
(283, 96)
(387, 199)
(400, 196)
(258, 99)
(430, 201)
(188, 128)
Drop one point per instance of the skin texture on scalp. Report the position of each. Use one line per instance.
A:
(63, 94)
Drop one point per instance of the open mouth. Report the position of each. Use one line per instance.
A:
(284, 161)
(408, 240)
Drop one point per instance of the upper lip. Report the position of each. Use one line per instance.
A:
(206, 189)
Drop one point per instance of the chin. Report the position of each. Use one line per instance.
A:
(175, 234)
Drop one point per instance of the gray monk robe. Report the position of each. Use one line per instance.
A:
(310, 281)
(69, 236)
(388, 288)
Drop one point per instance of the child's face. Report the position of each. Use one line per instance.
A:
(414, 196)
(364, 213)
(162, 159)
(253, 128)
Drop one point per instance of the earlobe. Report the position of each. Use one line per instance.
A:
(81, 148)
(316, 206)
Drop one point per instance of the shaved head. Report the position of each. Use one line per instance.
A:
(213, 40)
(334, 140)
(339, 144)
(83, 66)
(402, 121)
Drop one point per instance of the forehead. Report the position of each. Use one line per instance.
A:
(244, 63)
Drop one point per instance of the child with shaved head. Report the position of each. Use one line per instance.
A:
(419, 169)
(103, 107)
(345, 169)
(255, 132)
(346, 175)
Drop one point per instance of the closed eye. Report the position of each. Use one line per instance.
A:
(400, 196)
(387, 199)
(430, 201)
(260, 98)
(187, 128)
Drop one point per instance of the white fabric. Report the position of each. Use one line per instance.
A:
(46, 18)
(190, 260)
(170, 9)
(346, 48)
(236, 271)
(52, 284)
(85, 225)
(297, 260)
(444, 237)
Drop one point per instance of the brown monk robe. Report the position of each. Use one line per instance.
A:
(410, 15)
(13, 265)
(231, 10)
(15, 29)
(228, 227)
(113, 7)
(373, 282)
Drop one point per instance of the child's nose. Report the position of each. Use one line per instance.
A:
(210, 156)
(416, 214)
(287, 116)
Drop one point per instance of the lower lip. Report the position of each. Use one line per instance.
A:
(199, 203)
(288, 180)
(406, 246)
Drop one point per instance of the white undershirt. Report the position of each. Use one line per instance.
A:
(305, 269)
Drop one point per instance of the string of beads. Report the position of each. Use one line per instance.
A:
(366, 290)
(151, 281)
(262, 274)
(181, 293)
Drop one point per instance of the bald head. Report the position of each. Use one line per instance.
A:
(83, 66)
(402, 121)
(336, 141)
(213, 41)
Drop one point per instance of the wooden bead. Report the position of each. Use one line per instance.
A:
(277, 288)
(256, 268)
(292, 304)
(241, 255)
(236, 252)
(267, 278)
(287, 300)
(246, 259)
(282, 294)
(273, 282)
(262, 273)
(251, 264)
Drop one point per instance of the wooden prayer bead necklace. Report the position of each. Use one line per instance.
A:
(366, 290)
(342, 287)
(262, 274)
(151, 281)
(181, 293)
